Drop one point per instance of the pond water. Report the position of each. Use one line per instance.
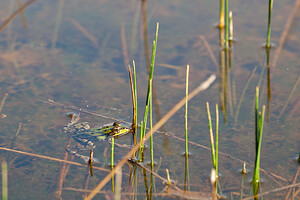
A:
(76, 53)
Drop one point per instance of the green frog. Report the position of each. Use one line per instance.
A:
(86, 136)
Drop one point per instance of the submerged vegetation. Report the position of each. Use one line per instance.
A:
(157, 144)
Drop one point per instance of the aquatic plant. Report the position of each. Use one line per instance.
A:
(259, 122)
(268, 45)
(186, 109)
(214, 148)
(149, 95)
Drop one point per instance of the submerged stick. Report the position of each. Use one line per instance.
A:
(50, 158)
(289, 98)
(3, 102)
(87, 34)
(285, 32)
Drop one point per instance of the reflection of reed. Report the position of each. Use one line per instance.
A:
(146, 183)
(86, 181)
(221, 70)
(225, 64)
(23, 17)
(268, 83)
(186, 175)
(57, 23)
(63, 171)
(147, 56)
(124, 45)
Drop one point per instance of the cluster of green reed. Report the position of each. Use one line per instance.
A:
(226, 23)
(147, 112)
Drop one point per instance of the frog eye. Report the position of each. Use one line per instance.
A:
(116, 124)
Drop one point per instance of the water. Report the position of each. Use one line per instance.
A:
(72, 53)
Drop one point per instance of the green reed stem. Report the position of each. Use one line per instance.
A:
(259, 122)
(217, 139)
(150, 124)
(149, 80)
(269, 23)
(141, 138)
(186, 109)
(112, 152)
(256, 116)
(4, 181)
(226, 24)
(211, 136)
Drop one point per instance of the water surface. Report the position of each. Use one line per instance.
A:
(72, 52)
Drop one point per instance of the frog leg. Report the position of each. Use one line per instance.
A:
(83, 157)
(87, 146)
(74, 153)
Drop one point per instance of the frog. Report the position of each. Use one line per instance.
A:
(85, 136)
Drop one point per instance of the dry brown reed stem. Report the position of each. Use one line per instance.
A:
(105, 192)
(293, 182)
(124, 45)
(271, 191)
(297, 192)
(133, 105)
(285, 32)
(12, 16)
(163, 120)
(169, 134)
(50, 158)
(87, 34)
(210, 52)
